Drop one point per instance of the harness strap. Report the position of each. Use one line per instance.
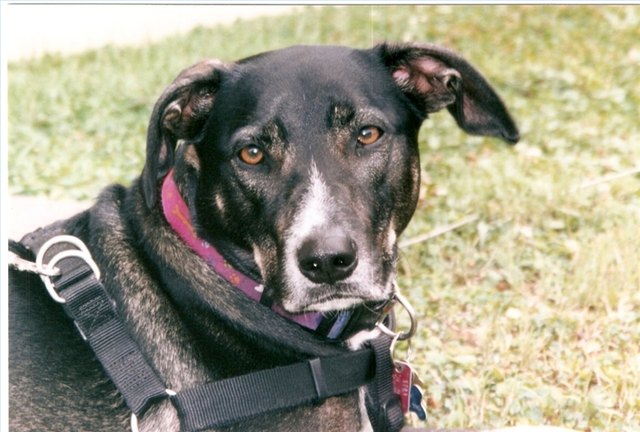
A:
(94, 314)
(384, 407)
(227, 401)
(214, 404)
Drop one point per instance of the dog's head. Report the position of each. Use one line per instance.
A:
(306, 159)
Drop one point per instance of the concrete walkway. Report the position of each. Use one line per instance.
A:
(35, 29)
(31, 30)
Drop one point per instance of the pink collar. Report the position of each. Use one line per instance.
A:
(177, 214)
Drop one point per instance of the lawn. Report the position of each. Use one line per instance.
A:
(530, 311)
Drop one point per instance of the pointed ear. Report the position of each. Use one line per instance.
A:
(434, 77)
(179, 114)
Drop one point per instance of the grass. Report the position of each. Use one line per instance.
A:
(530, 314)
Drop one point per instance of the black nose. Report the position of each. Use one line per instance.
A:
(328, 258)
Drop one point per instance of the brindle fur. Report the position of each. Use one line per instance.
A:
(191, 324)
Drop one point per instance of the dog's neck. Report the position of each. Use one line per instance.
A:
(178, 216)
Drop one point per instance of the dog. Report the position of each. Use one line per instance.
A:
(300, 167)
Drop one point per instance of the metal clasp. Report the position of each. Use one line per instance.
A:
(45, 270)
(402, 336)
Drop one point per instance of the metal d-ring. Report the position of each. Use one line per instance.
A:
(402, 336)
(45, 270)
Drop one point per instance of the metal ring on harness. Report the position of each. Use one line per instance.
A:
(397, 297)
(81, 252)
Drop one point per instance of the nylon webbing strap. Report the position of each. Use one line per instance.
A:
(224, 402)
(95, 316)
(383, 405)
(220, 403)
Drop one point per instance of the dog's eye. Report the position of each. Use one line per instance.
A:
(251, 155)
(369, 135)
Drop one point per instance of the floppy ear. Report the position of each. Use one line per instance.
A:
(179, 114)
(434, 77)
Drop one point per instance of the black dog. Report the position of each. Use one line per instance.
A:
(300, 167)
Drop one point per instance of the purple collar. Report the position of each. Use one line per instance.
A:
(177, 214)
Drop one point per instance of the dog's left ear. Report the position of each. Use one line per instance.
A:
(434, 77)
(179, 114)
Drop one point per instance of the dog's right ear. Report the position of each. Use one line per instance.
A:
(179, 114)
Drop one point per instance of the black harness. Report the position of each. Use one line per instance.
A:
(73, 280)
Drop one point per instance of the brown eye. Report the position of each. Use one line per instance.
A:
(251, 155)
(369, 135)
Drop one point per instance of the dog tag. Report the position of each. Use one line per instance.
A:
(402, 377)
(416, 403)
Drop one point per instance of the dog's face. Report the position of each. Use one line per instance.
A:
(313, 166)
(306, 159)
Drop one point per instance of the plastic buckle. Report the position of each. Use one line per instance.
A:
(390, 416)
(45, 270)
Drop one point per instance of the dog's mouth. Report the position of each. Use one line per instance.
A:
(328, 304)
(334, 298)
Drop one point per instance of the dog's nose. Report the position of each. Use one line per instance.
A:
(328, 258)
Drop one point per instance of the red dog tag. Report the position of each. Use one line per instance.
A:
(402, 377)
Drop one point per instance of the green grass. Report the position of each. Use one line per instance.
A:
(529, 315)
